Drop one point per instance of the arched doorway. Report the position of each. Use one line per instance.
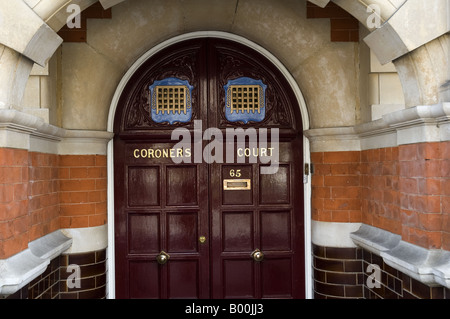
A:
(194, 219)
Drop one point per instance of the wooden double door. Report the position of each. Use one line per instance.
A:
(201, 217)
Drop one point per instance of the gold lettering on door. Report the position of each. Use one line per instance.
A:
(255, 151)
(164, 153)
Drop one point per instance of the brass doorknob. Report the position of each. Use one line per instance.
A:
(162, 258)
(257, 255)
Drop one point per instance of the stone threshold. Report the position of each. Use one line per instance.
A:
(429, 266)
(20, 269)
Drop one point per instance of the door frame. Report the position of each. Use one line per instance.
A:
(110, 150)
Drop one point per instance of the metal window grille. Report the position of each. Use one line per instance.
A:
(245, 98)
(171, 99)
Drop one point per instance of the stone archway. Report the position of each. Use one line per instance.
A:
(305, 123)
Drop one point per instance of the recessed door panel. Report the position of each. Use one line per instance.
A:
(183, 279)
(182, 186)
(275, 188)
(143, 187)
(144, 233)
(276, 231)
(182, 232)
(280, 268)
(237, 231)
(145, 280)
(238, 279)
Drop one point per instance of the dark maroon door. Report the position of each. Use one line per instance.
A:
(210, 223)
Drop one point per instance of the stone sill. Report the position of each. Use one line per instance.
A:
(431, 267)
(20, 269)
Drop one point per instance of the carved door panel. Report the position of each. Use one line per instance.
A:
(190, 224)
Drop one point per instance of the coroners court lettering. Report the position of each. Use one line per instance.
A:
(162, 153)
(238, 145)
(187, 152)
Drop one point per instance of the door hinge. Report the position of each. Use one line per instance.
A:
(306, 173)
(308, 169)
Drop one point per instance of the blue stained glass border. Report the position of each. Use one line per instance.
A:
(172, 117)
(246, 116)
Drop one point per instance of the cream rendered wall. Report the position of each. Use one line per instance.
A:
(326, 72)
(42, 92)
(385, 89)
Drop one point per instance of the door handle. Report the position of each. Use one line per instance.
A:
(162, 258)
(258, 255)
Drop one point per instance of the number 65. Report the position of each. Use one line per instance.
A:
(235, 173)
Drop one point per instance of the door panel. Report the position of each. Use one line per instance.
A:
(237, 231)
(181, 186)
(276, 230)
(208, 220)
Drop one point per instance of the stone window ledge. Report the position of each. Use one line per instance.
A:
(431, 267)
(20, 269)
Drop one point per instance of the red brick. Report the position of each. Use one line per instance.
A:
(445, 149)
(408, 152)
(101, 160)
(95, 196)
(77, 160)
(342, 204)
(429, 186)
(432, 168)
(342, 157)
(346, 192)
(98, 220)
(341, 180)
(408, 185)
(430, 222)
(20, 192)
(97, 172)
(101, 183)
(429, 151)
(6, 157)
(345, 169)
(445, 168)
(340, 216)
(78, 172)
(446, 241)
(5, 230)
(317, 180)
(101, 208)
(77, 185)
(74, 222)
(77, 209)
(6, 193)
(20, 158)
(322, 169)
(344, 24)
(317, 157)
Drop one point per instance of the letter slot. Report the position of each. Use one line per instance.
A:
(237, 184)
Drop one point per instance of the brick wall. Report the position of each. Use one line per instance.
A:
(344, 273)
(57, 282)
(15, 220)
(336, 186)
(82, 194)
(40, 193)
(404, 190)
(43, 202)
